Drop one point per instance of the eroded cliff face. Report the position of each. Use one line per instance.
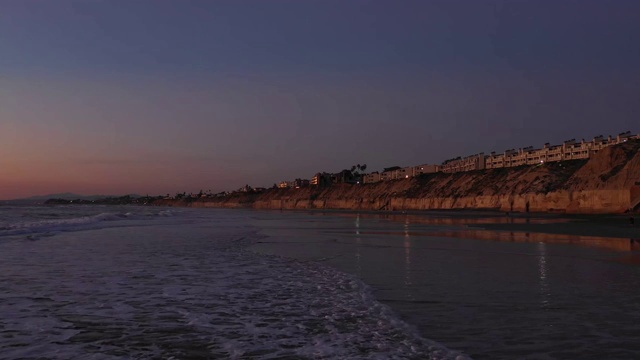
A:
(609, 182)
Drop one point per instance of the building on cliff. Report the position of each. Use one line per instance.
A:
(608, 182)
(397, 172)
(300, 183)
(295, 184)
(343, 177)
(321, 179)
(373, 177)
(392, 173)
(425, 169)
(569, 150)
(469, 163)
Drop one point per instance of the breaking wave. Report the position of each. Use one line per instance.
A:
(50, 226)
(184, 288)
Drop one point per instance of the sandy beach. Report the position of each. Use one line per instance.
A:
(493, 286)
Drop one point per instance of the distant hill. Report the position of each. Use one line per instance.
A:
(66, 196)
(63, 196)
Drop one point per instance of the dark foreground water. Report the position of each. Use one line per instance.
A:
(145, 283)
(120, 283)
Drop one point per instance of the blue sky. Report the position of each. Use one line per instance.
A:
(167, 96)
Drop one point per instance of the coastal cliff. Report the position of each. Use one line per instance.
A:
(608, 182)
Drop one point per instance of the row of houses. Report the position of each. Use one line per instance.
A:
(568, 150)
(295, 184)
(323, 179)
(397, 172)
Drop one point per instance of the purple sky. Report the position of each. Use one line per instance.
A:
(115, 97)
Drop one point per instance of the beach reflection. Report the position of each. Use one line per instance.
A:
(358, 242)
(545, 294)
(618, 244)
(497, 291)
(407, 259)
(632, 258)
(462, 231)
(459, 218)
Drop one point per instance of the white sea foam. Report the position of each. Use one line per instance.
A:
(184, 291)
(51, 224)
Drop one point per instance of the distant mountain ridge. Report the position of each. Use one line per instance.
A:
(63, 196)
(66, 196)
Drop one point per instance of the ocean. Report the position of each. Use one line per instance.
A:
(107, 282)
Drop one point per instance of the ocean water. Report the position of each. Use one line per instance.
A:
(105, 282)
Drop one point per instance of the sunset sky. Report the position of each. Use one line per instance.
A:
(156, 97)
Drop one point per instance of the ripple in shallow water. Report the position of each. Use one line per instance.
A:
(194, 301)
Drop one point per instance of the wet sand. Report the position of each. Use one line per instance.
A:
(615, 225)
(605, 226)
(493, 286)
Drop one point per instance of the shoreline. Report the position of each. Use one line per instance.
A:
(606, 231)
(612, 225)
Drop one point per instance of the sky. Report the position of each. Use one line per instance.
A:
(156, 97)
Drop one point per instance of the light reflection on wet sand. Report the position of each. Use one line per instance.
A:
(458, 218)
(358, 242)
(609, 243)
(618, 244)
(519, 294)
(407, 259)
(545, 293)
